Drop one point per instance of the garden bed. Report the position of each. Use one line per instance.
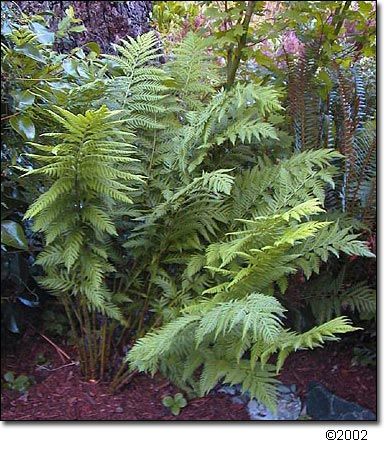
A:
(61, 394)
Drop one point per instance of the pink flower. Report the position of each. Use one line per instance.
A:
(272, 8)
(291, 44)
(371, 23)
(199, 20)
(281, 64)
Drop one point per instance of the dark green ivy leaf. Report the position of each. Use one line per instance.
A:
(31, 51)
(23, 125)
(23, 99)
(12, 234)
(44, 35)
(70, 67)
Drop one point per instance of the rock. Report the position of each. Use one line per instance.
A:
(237, 400)
(288, 407)
(321, 404)
(229, 389)
(284, 389)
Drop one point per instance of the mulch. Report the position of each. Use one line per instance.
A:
(332, 367)
(61, 394)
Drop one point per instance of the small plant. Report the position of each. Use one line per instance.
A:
(41, 359)
(21, 383)
(55, 323)
(364, 356)
(175, 403)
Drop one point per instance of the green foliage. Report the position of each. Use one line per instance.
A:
(175, 403)
(73, 213)
(192, 239)
(215, 337)
(20, 383)
(170, 16)
(329, 296)
(140, 89)
(193, 71)
(12, 234)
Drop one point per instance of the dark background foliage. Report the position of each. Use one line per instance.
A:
(105, 22)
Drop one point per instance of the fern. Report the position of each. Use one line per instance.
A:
(230, 116)
(235, 255)
(88, 174)
(192, 71)
(140, 89)
(198, 339)
(238, 313)
(328, 296)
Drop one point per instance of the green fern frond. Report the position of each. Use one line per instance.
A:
(87, 178)
(140, 91)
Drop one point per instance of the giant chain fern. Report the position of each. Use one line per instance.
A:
(220, 243)
(229, 332)
(86, 164)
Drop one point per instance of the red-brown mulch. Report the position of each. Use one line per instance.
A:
(332, 367)
(63, 395)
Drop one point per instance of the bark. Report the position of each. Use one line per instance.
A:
(106, 22)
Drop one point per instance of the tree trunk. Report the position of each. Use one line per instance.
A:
(106, 22)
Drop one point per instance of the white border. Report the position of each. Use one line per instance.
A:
(227, 436)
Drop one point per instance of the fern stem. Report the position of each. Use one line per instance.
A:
(103, 350)
(108, 345)
(117, 375)
(77, 339)
(144, 309)
(95, 334)
(125, 378)
(89, 340)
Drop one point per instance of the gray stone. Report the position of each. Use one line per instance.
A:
(229, 389)
(288, 403)
(238, 400)
(321, 404)
(288, 407)
(284, 389)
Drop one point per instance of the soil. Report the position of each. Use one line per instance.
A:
(59, 393)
